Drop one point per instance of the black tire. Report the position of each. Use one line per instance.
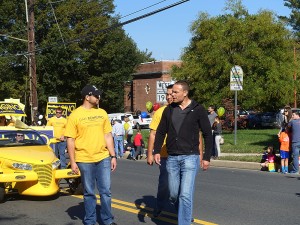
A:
(75, 186)
(2, 192)
(137, 126)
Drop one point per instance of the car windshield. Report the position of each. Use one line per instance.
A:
(20, 138)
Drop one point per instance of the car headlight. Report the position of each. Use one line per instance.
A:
(55, 164)
(22, 166)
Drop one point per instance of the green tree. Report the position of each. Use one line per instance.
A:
(77, 42)
(12, 68)
(259, 43)
(294, 18)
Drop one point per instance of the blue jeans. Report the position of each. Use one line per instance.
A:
(182, 171)
(296, 148)
(60, 149)
(99, 173)
(132, 152)
(163, 188)
(119, 144)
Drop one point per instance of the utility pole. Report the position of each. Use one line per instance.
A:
(295, 77)
(32, 63)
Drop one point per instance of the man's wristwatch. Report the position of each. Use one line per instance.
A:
(113, 156)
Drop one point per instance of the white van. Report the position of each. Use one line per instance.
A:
(121, 116)
(142, 122)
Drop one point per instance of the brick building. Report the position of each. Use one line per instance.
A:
(148, 84)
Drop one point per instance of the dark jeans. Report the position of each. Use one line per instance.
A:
(214, 152)
(163, 188)
(138, 151)
(129, 136)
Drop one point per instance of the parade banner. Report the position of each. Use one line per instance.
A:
(11, 109)
(45, 132)
(67, 108)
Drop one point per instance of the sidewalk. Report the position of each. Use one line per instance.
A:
(223, 163)
(237, 164)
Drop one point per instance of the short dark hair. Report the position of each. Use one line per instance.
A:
(213, 107)
(184, 84)
(287, 107)
(59, 108)
(170, 86)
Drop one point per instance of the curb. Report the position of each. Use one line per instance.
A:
(221, 163)
(236, 164)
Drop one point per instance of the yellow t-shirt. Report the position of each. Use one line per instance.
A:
(126, 126)
(153, 126)
(87, 127)
(59, 125)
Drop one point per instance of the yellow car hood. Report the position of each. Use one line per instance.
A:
(29, 154)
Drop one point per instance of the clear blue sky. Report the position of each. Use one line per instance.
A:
(166, 34)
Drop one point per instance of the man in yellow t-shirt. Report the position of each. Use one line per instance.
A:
(128, 129)
(163, 188)
(91, 150)
(59, 125)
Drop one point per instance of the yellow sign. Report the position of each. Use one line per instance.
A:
(67, 108)
(11, 109)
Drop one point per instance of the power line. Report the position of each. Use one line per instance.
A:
(101, 31)
(118, 25)
(50, 3)
(57, 24)
(14, 32)
(56, 2)
(143, 9)
(109, 0)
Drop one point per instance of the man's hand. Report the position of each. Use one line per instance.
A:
(157, 159)
(75, 168)
(150, 159)
(113, 164)
(204, 164)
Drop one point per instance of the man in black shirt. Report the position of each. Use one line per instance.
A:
(182, 121)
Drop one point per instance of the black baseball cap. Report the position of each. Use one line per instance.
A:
(90, 90)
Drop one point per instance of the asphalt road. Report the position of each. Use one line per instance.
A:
(223, 196)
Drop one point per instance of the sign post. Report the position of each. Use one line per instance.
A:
(236, 84)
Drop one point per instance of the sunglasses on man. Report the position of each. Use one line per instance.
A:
(96, 96)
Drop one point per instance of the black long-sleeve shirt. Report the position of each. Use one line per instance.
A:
(186, 140)
(217, 128)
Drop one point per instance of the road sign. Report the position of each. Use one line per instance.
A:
(236, 78)
(161, 90)
(52, 99)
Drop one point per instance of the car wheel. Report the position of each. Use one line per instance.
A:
(138, 126)
(2, 192)
(75, 186)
